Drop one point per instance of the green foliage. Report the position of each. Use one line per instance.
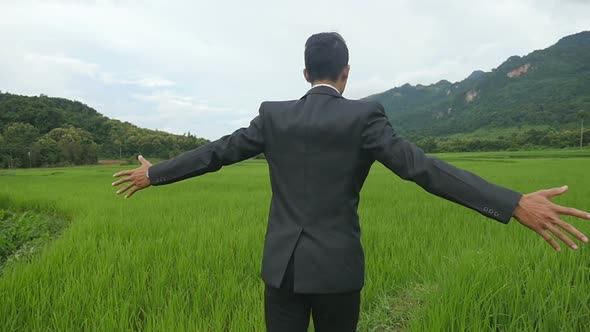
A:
(58, 131)
(517, 140)
(552, 91)
(23, 233)
(18, 139)
(3, 153)
(74, 145)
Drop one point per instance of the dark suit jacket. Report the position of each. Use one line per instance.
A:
(319, 151)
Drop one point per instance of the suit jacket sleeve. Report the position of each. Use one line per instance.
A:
(242, 144)
(434, 175)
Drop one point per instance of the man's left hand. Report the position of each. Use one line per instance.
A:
(537, 212)
(138, 178)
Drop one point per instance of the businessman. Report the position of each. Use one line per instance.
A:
(319, 150)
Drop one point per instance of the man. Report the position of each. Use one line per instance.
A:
(319, 150)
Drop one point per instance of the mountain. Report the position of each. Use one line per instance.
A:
(544, 89)
(44, 131)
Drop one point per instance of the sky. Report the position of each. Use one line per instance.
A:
(204, 67)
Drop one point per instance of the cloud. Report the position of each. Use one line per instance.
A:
(74, 66)
(195, 65)
(144, 82)
(180, 114)
(169, 104)
(241, 122)
(79, 67)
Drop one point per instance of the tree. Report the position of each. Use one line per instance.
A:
(428, 144)
(18, 138)
(76, 146)
(117, 134)
(581, 116)
(45, 152)
(3, 155)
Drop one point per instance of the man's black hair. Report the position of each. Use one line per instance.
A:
(326, 55)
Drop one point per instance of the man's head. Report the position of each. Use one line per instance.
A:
(326, 60)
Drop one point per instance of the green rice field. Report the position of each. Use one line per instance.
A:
(187, 256)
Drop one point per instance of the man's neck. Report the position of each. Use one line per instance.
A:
(331, 84)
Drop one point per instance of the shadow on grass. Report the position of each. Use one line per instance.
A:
(26, 228)
(396, 311)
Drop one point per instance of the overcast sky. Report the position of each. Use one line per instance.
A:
(205, 66)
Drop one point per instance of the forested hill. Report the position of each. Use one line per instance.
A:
(547, 89)
(57, 131)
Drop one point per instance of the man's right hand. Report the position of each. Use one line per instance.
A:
(138, 178)
(537, 212)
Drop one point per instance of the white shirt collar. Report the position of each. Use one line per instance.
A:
(325, 84)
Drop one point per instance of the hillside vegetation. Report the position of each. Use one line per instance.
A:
(540, 98)
(45, 131)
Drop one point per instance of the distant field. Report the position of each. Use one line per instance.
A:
(110, 162)
(187, 256)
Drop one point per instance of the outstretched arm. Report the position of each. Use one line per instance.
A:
(242, 144)
(460, 186)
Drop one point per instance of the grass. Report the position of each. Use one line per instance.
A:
(187, 256)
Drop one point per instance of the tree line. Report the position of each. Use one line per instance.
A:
(43, 131)
(23, 145)
(532, 139)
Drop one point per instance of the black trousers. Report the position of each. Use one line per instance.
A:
(286, 311)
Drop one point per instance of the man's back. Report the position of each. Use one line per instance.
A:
(317, 168)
